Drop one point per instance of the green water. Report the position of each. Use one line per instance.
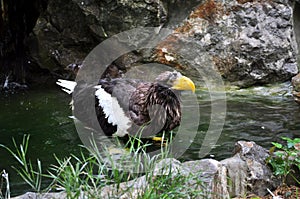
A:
(262, 119)
(44, 115)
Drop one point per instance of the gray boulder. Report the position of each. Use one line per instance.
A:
(209, 172)
(246, 42)
(248, 171)
(68, 30)
(296, 88)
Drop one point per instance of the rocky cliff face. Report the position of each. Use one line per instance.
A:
(69, 30)
(17, 18)
(247, 42)
(296, 88)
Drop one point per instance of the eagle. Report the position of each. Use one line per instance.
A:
(124, 106)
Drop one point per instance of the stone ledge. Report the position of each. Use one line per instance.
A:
(245, 172)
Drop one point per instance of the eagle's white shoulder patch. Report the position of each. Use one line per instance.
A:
(113, 111)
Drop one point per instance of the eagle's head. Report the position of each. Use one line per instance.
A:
(176, 80)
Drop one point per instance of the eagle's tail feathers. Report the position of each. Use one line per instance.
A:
(67, 86)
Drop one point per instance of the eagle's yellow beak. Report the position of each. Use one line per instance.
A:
(184, 83)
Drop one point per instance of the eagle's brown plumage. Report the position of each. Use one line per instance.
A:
(136, 97)
(155, 106)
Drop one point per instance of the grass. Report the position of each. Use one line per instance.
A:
(87, 174)
(178, 186)
(4, 181)
(33, 177)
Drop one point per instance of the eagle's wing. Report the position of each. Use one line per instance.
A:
(113, 105)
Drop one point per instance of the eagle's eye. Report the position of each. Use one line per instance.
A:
(173, 77)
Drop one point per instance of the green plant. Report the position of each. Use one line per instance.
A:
(93, 169)
(4, 180)
(85, 175)
(31, 176)
(284, 157)
(171, 186)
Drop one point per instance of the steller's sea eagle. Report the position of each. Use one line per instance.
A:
(124, 105)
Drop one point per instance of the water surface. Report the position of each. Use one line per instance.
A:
(43, 113)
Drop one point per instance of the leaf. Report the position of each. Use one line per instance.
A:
(287, 139)
(279, 154)
(277, 145)
(290, 145)
(297, 140)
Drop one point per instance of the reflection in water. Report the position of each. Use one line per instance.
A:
(44, 115)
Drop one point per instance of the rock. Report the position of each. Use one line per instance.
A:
(296, 88)
(296, 17)
(17, 19)
(207, 176)
(265, 91)
(169, 165)
(68, 30)
(247, 170)
(296, 96)
(209, 172)
(31, 195)
(131, 189)
(237, 173)
(244, 173)
(213, 176)
(248, 42)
